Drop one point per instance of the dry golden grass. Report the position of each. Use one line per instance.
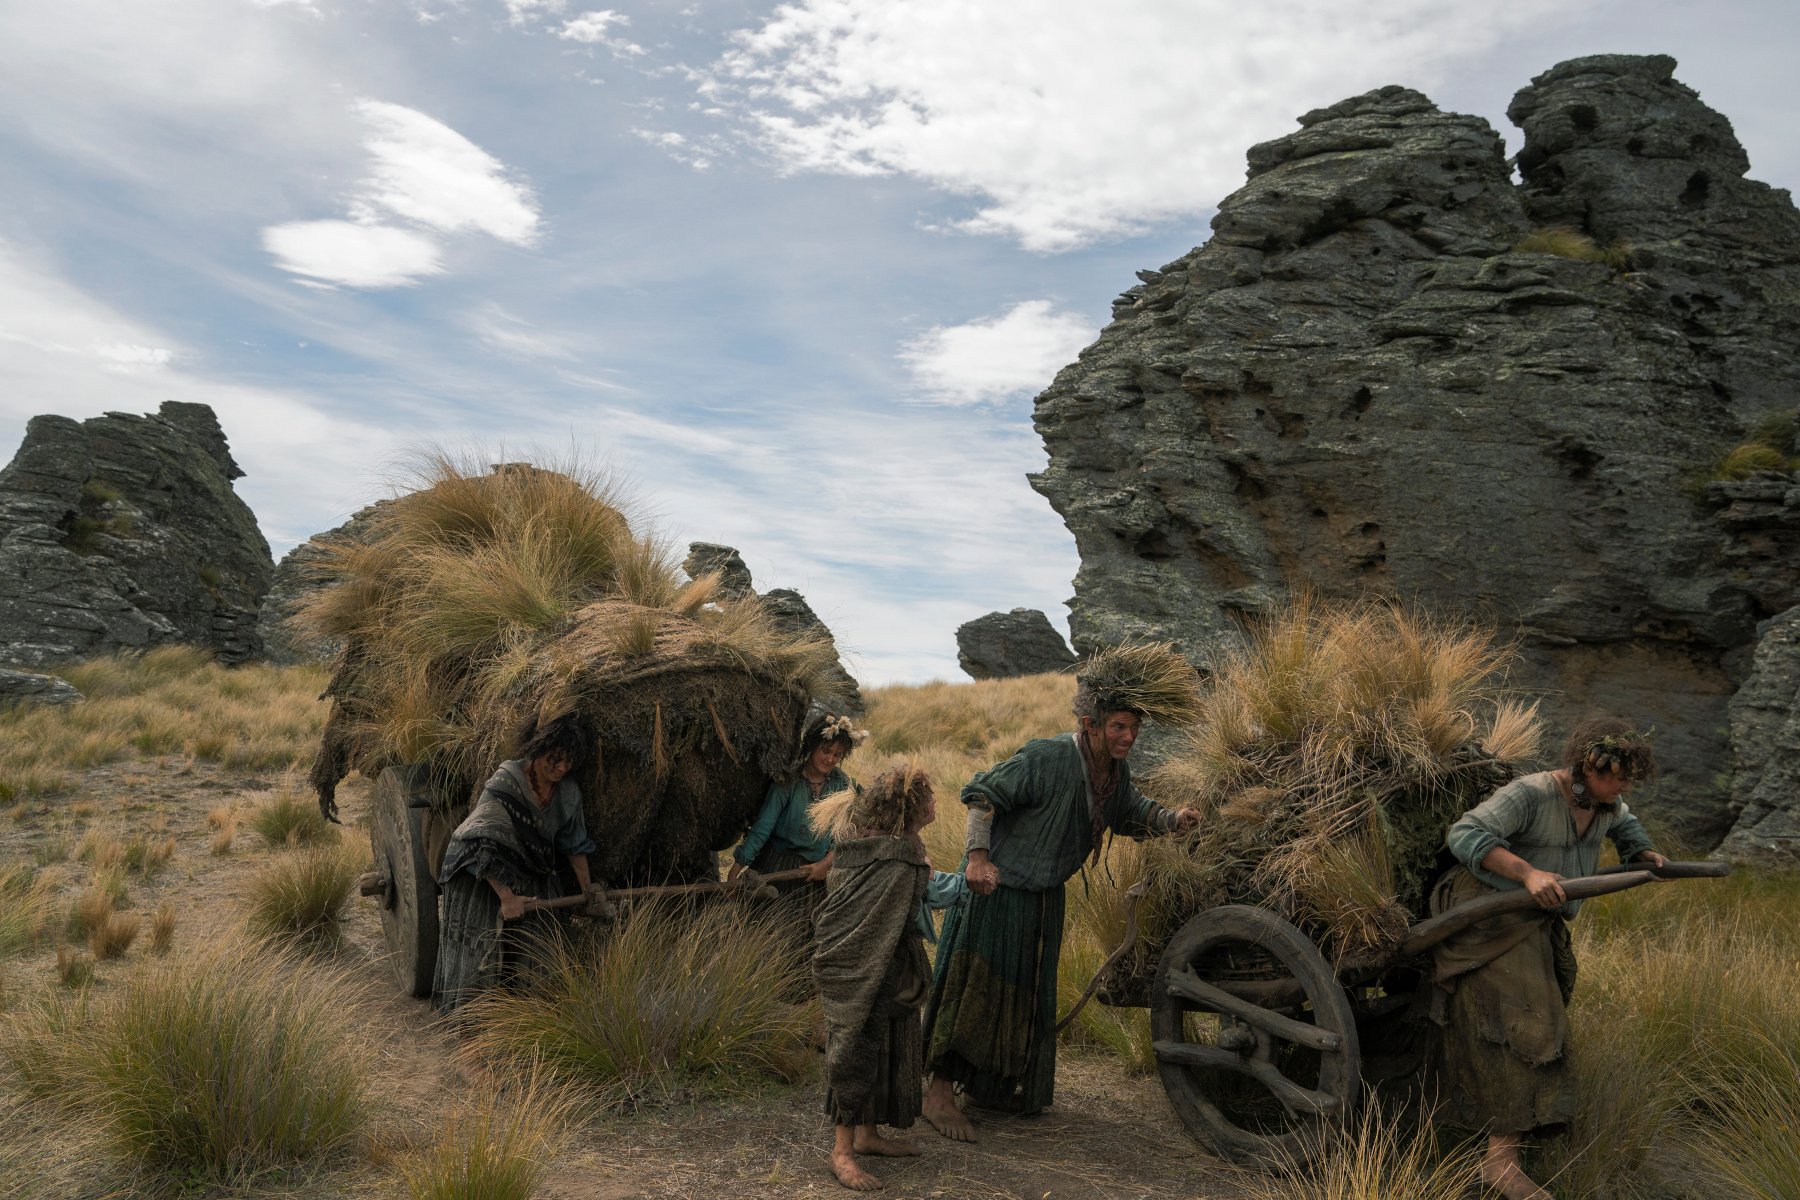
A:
(496, 1143)
(670, 1002)
(1334, 748)
(73, 968)
(112, 937)
(465, 600)
(170, 701)
(162, 928)
(210, 1070)
(287, 819)
(28, 907)
(304, 896)
(1565, 242)
(1382, 1156)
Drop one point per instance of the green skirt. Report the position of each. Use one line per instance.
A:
(991, 1017)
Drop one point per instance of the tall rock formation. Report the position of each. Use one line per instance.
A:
(1374, 378)
(123, 532)
(296, 577)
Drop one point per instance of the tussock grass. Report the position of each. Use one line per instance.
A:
(1380, 1157)
(28, 907)
(169, 701)
(207, 1070)
(94, 907)
(78, 1168)
(1564, 242)
(112, 937)
(495, 1146)
(289, 819)
(304, 896)
(672, 999)
(1336, 746)
(73, 968)
(1769, 447)
(162, 928)
(223, 821)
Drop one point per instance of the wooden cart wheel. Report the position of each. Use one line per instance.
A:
(403, 883)
(1259, 1079)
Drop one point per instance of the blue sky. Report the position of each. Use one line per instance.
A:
(793, 273)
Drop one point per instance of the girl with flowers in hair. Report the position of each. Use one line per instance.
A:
(783, 837)
(1503, 984)
(870, 966)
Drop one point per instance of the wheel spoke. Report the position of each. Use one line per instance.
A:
(1293, 1097)
(1188, 986)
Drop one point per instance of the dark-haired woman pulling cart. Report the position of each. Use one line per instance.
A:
(508, 854)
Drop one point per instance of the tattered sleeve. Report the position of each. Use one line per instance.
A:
(1138, 816)
(1628, 834)
(1493, 822)
(572, 837)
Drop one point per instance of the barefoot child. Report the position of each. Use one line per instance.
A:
(869, 962)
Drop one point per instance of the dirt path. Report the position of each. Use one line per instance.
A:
(1110, 1137)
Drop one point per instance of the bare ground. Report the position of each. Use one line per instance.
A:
(1111, 1136)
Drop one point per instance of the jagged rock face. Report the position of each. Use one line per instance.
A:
(123, 532)
(29, 687)
(297, 576)
(1002, 645)
(734, 576)
(789, 610)
(1360, 385)
(1765, 744)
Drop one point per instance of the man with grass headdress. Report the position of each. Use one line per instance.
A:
(1033, 821)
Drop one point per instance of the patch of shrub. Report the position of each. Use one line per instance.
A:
(668, 999)
(496, 1146)
(290, 819)
(205, 1071)
(1565, 242)
(304, 896)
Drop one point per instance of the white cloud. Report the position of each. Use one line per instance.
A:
(129, 356)
(515, 336)
(1018, 351)
(1070, 121)
(426, 172)
(422, 172)
(519, 12)
(592, 27)
(353, 254)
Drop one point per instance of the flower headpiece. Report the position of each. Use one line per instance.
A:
(835, 727)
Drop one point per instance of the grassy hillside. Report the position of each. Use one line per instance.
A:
(167, 805)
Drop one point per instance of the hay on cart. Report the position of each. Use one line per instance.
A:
(483, 598)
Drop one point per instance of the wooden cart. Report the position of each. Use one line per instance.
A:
(1260, 1041)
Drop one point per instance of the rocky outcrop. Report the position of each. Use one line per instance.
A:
(726, 562)
(29, 687)
(123, 532)
(1765, 745)
(786, 607)
(1374, 378)
(296, 577)
(1002, 645)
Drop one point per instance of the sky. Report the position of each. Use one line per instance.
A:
(791, 273)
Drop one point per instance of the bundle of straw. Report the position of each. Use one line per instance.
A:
(1333, 749)
(482, 598)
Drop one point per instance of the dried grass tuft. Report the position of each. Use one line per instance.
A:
(496, 1145)
(1147, 677)
(1333, 749)
(487, 596)
(112, 937)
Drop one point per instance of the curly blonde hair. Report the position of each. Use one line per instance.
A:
(889, 805)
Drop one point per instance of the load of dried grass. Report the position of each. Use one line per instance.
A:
(482, 598)
(1334, 748)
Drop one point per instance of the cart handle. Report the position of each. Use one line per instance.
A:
(748, 884)
(1427, 934)
(1673, 870)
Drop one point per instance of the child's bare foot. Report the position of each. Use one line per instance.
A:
(1511, 1181)
(852, 1176)
(948, 1119)
(873, 1143)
